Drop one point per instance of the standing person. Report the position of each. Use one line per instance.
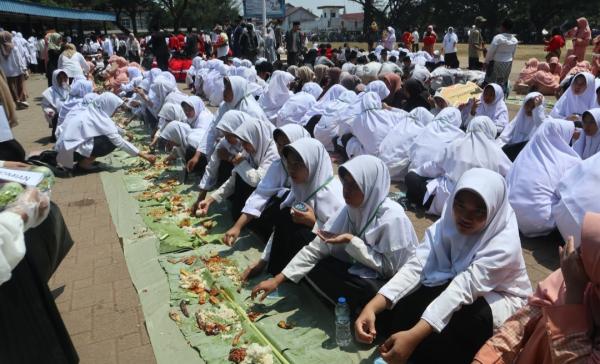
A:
(107, 48)
(158, 47)
(429, 40)
(476, 44)
(249, 43)
(554, 45)
(390, 40)
(372, 36)
(499, 58)
(235, 37)
(294, 40)
(407, 39)
(449, 47)
(72, 62)
(13, 63)
(582, 35)
(221, 43)
(278, 37)
(270, 45)
(133, 49)
(415, 39)
(10, 148)
(54, 49)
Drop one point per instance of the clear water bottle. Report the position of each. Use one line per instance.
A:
(343, 337)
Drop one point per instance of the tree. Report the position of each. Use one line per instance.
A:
(176, 9)
(206, 13)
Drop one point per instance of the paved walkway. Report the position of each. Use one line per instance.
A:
(97, 300)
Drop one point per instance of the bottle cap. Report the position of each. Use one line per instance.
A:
(342, 300)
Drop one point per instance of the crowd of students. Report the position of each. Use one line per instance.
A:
(463, 291)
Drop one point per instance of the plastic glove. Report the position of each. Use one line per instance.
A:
(33, 206)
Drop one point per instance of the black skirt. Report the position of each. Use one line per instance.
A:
(288, 239)
(102, 147)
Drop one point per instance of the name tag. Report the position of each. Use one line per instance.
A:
(31, 179)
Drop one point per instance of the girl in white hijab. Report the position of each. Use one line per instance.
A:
(518, 132)
(465, 278)
(579, 97)
(318, 108)
(298, 104)
(395, 147)
(159, 90)
(315, 195)
(276, 95)
(90, 133)
(536, 173)
(196, 113)
(256, 138)
(191, 72)
(78, 90)
(263, 204)
(371, 126)
(432, 141)
(361, 246)
(588, 142)
(54, 97)
(169, 112)
(336, 113)
(477, 149)
(575, 199)
(183, 140)
(491, 104)
(134, 75)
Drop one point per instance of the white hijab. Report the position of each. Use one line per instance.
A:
(159, 90)
(82, 125)
(442, 130)
(497, 110)
(376, 86)
(322, 191)
(260, 136)
(493, 257)
(79, 89)
(570, 104)
(319, 107)
(477, 149)
(587, 146)
(336, 112)
(202, 117)
(296, 106)
(537, 170)
(522, 127)
(380, 222)
(242, 99)
(56, 95)
(277, 93)
(172, 112)
(374, 123)
(395, 147)
(312, 88)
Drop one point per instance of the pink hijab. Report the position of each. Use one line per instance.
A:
(559, 67)
(546, 82)
(552, 291)
(528, 71)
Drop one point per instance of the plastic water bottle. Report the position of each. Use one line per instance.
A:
(343, 336)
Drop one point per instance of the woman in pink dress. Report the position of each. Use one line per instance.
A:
(582, 35)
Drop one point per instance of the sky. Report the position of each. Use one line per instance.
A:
(351, 6)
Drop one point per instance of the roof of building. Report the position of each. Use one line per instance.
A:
(331, 6)
(353, 16)
(293, 9)
(26, 8)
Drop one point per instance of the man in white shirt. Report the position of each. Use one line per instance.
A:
(449, 45)
(415, 45)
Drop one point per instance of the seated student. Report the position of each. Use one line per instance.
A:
(437, 135)
(336, 112)
(54, 97)
(313, 115)
(560, 323)
(270, 192)
(256, 138)
(432, 183)
(544, 80)
(78, 90)
(276, 94)
(315, 189)
(371, 126)
(580, 97)
(491, 104)
(394, 84)
(169, 112)
(197, 116)
(90, 133)
(297, 105)
(183, 141)
(361, 246)
(395, 147)
(134, 74)
(518, 132)
(574, 198)
(536, 173)
(415, 95)
(465, 278)
(159, 89)
(588, 142)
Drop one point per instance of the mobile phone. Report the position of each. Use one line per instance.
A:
(324, 235)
